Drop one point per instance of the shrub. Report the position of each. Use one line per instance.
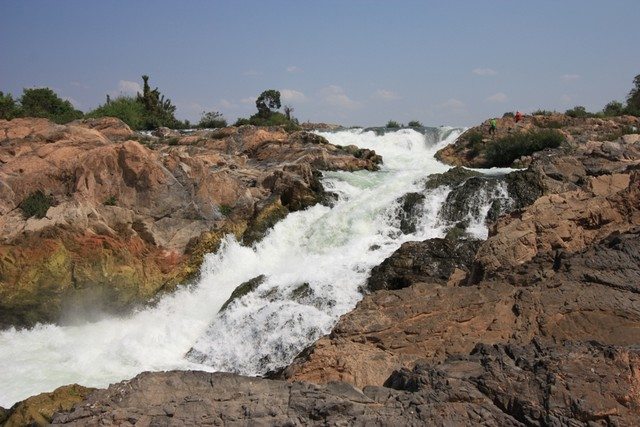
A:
(43, 102)
(36, 204)
(578, 111)
(8, 107)
(110, 201)
(126, 108)
(503, 151)
(414, 124)
(212, 119)
(242, 121)
(613, 108)
(392, 124)
(508, 114)
(542, 113)
(225, 210)
(633, 99)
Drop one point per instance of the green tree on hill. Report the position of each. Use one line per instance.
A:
(43, 102)
(8, 107)
(266, 101)
(633, 99)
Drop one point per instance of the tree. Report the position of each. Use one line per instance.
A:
(43, 102)
(392, 124)
(212, 119)
(613, 108)
(288, 109)
(8, 107)
(414, 124)
(577, 111)
(160, 111)
(266, 101)
(633, 99)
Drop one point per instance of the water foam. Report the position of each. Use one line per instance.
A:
(313, 261)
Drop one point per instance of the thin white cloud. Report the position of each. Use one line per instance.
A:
(290, 95)
(128, 87)
(335, 96)
(565, 99)
(225, 103)
(498, 97)
(484, 72)
(79, 84)
(453, 104)
(387, 95)
(73, 102)
(570, 77)
(251, 73)
(294, 69)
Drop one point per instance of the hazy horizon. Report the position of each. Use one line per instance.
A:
(348, 62)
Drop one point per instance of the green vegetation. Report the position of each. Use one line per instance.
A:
(211, 120)
(392, 124)
(147, 110)
(614, 108)
(268, 100)
(508, 114)
(126, 108)
(226, 210)
(36, 204)
(578, 111)
(542, 113)
(633, 99)
(111, 201)
(475, 140)
(503, 151)
(8, 107)
(414, 124)
(38, 102)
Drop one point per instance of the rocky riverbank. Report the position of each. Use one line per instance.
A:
(537, 325)
(125, 216)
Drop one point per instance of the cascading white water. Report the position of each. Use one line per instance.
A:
(313, 264)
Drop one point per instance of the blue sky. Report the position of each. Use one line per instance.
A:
(351, 62)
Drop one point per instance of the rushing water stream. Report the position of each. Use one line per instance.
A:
(313, 264)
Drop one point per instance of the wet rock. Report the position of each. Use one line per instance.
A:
(452, 178)
(432, 261)
(410, 211)
(524, 187)
(242, 290)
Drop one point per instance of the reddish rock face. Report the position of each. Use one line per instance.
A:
(137, 211)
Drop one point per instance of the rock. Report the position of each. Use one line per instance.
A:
(38, 410)
(164, 132)
(571, 384)
(409, 212)
(242, 290)
(454, 177)
(524, 187)
(114, 129)
(587, 295)
(569, 221)
(431, 261)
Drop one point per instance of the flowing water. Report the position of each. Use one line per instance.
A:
(313, 263)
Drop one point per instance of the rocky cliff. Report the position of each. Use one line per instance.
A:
(537, 325)
(124, 216)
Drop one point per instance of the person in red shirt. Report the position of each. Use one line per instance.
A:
(518, 116)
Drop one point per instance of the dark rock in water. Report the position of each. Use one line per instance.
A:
(302, 291)
(470, 198)
(243, 289)
(524, 187)
(453, 177)
(432, 260)
(268, 214)
(410, 211)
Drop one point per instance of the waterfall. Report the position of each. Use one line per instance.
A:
(308, 271)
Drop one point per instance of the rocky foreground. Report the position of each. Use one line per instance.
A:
(537, 325)
(125, 216)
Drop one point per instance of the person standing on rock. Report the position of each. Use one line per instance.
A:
(518, 116)
(493, 125)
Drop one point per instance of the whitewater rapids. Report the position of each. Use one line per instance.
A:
(314, 263)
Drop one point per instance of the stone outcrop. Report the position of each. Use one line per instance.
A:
(572, 384)
(469, 149)
(132, 215)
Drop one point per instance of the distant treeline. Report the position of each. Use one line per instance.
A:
(145, 111)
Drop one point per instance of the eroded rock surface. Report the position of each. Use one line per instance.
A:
(572, 384)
